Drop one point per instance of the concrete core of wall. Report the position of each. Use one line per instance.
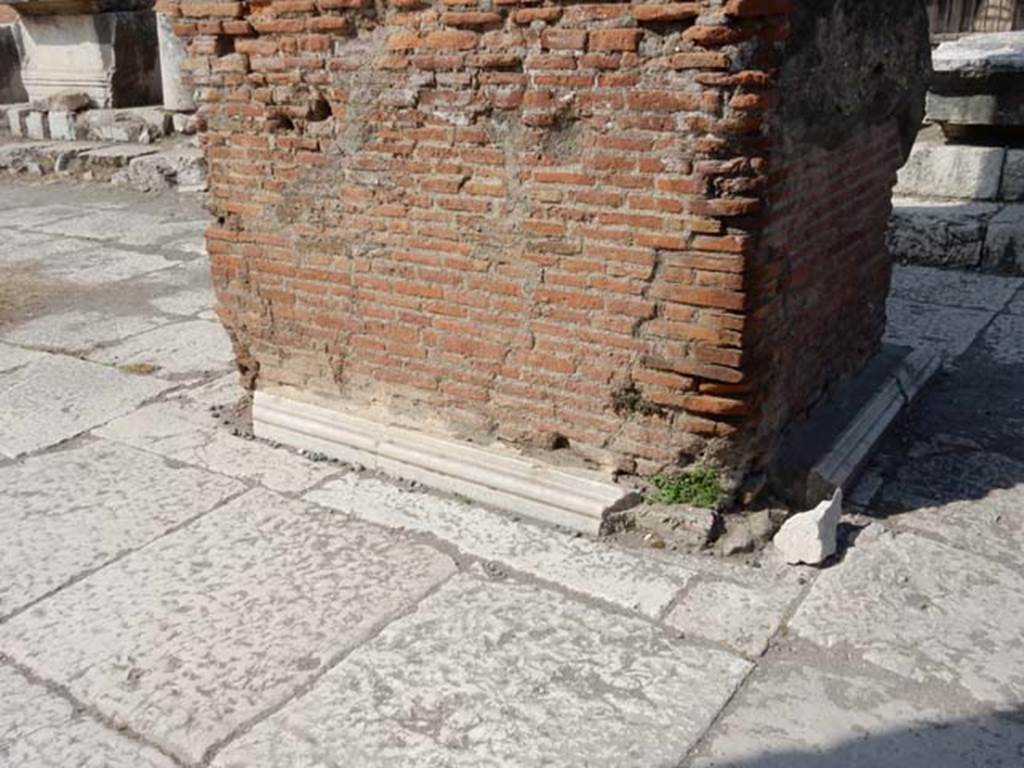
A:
(641, 234)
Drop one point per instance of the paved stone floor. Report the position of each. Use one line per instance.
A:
(174, 595)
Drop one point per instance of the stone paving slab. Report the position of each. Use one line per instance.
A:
(32, 215)
(593, 568)
(38, 729)
(947, 330)
(185, 290)
(501, 674)
(127, 226)
(77, 331)
(63, 514)
(925, 611)
(973, 501)
(100, 265)
(15, 357)
(182, 430)
(743, 617)
(189, 349)
(1003, 340)
(795, 714)
(24, 246)
(208, 627)
(953, 288)
(1016, 305)
(56, 397)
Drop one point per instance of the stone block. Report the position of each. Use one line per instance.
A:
(184, 123)
(1004, 243)
(139, 125)
(938, 233)
(111, 57)
(63, 125)
(947, 170)
(1012, 188)
(36, 125)
(183, 168)
(977, 81)
(177, 94)
(16, 119)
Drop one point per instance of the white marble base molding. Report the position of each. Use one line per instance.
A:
(573, 499)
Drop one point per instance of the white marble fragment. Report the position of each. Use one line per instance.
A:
(810, 537)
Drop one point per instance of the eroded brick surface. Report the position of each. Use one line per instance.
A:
(638, 226)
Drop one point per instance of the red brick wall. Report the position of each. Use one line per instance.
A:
(822, 279)
(535, 223)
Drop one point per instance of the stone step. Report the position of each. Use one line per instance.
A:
(962, 171)
(958, 233)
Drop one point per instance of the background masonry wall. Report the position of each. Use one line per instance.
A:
(653, 232)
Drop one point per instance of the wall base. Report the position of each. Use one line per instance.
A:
(577, 500)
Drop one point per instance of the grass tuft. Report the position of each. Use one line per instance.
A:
(699, 488)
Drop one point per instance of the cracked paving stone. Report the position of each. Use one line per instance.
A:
(56, 397)
(974, 501)
(1002, 340)
(33, 247)
(13, 357)
(39, 729)
(923, 610)
(183, 430)
(28, 216)
(98, 265)
(77, 332)
(190, 348)
(128, 227)
(1016, 305)
(501, 674)
(582, 565)
(742, 617)
(65, 513)
(209, 627)
(795, 714)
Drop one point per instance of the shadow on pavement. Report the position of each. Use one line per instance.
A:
(963, 438)
(993, 741)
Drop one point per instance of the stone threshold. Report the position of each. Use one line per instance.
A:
(828, 450)
(574, 499)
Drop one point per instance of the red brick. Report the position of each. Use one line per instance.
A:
(615, 39)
